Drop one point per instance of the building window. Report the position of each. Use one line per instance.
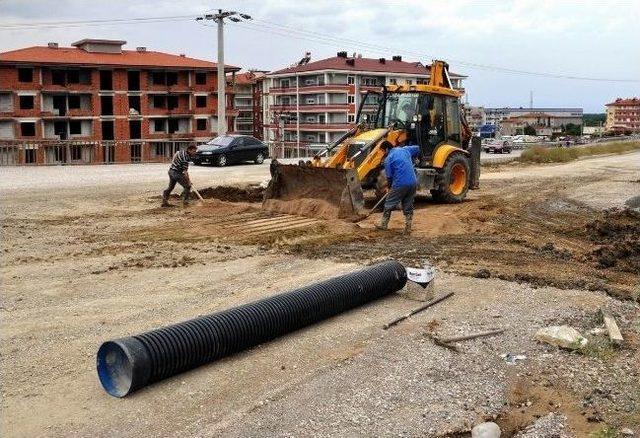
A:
(74, 102)
(201, 124)
(58, 77)
(134, 103)
(29, 156)
(26, 102)
(25, 75)
(351, 80)
(158, 125)
(76, 152)
(201, 101)
(172, 78)
(158, 78)
(393, 81)
(408, 82)
(172, 102)
(351, 99)
(201, 78)
(158, 101)
(28, 129)
(73, 77)
(174, 125)
(75, 127)
(284, 83)
(351, 118)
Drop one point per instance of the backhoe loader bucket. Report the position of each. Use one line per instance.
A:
(314, 191)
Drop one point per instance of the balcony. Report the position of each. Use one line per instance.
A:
(318, 126)
(309, 89)
(312, 107)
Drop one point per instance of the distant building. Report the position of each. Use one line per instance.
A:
(593, 130)
(476, 117)
(544, 123)
(314, 103)
(95, 102)
(623, 115)
(248, 98)
(495, 116)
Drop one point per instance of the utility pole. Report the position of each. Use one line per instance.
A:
(222, 78)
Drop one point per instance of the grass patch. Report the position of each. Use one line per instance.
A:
(541, 154)
(599, 348)
(605, 431)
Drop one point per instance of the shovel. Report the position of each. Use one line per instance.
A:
(375, 207)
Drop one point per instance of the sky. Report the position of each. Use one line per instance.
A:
(593, 39)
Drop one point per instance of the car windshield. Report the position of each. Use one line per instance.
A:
(223, 140)
(400, 107)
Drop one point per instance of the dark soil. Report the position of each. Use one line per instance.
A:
(233, 193)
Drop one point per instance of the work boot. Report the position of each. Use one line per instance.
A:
(408, 218)
(384, 222)
(165, 202)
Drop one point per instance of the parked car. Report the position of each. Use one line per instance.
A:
(232, 148)
(497, 147)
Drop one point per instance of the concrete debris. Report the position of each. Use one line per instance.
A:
(612, 328)
(597, 331)
(512, 358)
(552, 425)
(562, 336)
(627, 432)
(486, 430)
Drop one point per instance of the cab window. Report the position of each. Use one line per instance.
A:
(453, 119)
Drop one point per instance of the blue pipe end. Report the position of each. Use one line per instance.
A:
(123, 366)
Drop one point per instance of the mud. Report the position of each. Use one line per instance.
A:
(618, 235)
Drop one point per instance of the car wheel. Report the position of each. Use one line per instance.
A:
(259, 158)
(222, 160)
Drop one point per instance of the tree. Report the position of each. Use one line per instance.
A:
(572, 129)
(529, 130)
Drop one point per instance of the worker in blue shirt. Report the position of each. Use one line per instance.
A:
(401, 181)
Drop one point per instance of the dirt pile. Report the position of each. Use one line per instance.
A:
(233, 193)
(618, 235)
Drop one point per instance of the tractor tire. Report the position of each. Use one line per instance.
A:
(454, 179)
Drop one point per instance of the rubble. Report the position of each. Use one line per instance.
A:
(562, 336)
(486, 430)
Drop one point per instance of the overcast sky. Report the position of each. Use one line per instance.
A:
(598, 39)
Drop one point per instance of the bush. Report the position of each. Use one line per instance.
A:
(542, 154)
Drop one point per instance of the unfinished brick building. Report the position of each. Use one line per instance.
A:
(95, 102)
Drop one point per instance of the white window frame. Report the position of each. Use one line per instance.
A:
(351, 80)
(351, 99)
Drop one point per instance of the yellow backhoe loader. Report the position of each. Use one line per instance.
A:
(428, 115)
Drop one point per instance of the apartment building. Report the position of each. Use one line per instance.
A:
(314, 103)
(494, 116)
(623, 115)
(544, 123)
(105, 104)
(247, 89)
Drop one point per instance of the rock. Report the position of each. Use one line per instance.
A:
(482, 273)
(562, 336)
(627, 432)
(486, 430)
(552, 425)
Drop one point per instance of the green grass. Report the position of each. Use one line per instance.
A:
(541, 154)
(605, 431)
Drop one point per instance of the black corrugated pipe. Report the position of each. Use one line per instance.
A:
(127, 364)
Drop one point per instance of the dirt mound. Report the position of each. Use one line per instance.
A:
(233, 193)
(618, 233)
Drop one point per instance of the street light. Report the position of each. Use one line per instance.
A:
(219, 18)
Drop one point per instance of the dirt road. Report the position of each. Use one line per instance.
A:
(84, 264)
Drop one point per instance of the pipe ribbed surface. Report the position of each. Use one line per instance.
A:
(127, 364)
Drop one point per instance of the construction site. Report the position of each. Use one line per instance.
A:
(326, 249)
(538, 245)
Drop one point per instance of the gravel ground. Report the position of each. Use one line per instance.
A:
(75, 273)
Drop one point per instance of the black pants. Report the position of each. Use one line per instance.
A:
(403, 195)
(180, 178)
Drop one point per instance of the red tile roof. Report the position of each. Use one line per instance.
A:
(360, 64)
(129, 58)
(619, 102)
(247, 78)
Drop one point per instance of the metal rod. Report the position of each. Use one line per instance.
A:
(419, 309)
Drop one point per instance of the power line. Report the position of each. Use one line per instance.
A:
(79, 23)
(294, 33)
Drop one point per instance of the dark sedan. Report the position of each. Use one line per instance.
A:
(228, 149)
